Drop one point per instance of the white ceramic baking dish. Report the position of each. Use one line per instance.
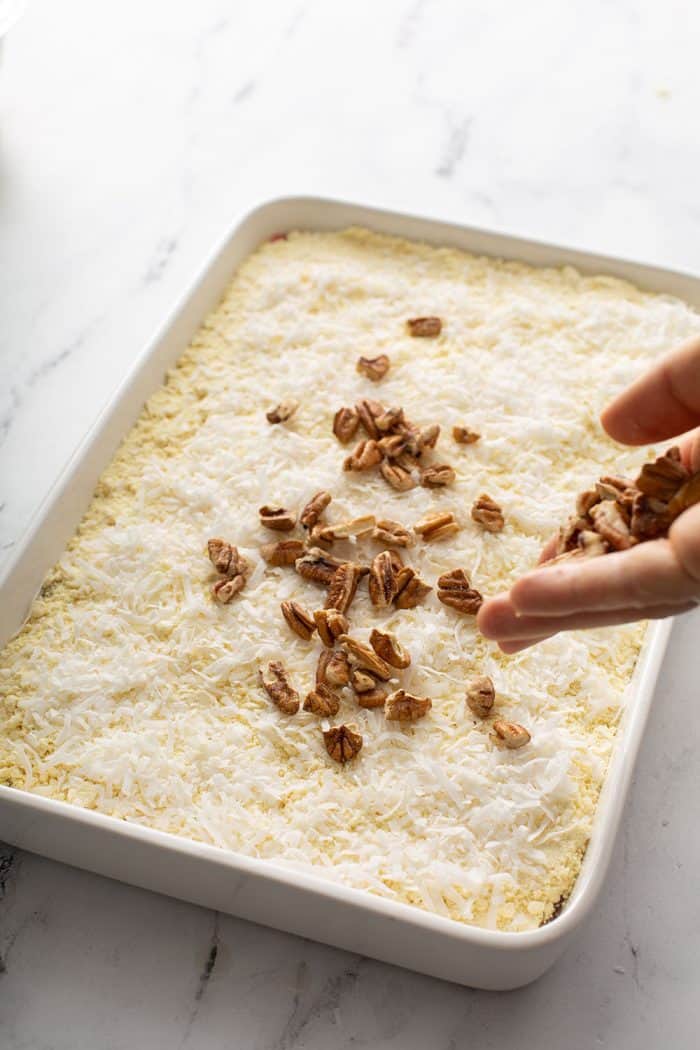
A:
(259, 889)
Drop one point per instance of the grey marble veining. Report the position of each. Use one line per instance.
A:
(130, 136)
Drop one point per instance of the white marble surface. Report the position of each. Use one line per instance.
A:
(130, 136)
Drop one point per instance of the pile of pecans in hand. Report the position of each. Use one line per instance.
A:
(619, 513)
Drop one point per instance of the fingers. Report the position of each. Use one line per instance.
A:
(549, 549)
(684, 537)
(662, 403)
(499, 619)
(646, 575)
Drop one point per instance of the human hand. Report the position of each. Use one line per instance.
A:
(650, 580)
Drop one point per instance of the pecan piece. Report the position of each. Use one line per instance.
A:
(390, 420)
(371, 698)
(424, 327)
(364, 456)
(403, 707)
(398, 477)
(392, 533)
(486, 512)
(226, 590)
(375, 368)
(436, 525)
(454, 590)
(662, 478)
(300, 621)
(322, 701)
(362, 681)
(342, 743)
(368, 412)
(333, 668)
(277, 518)
(686, 496)
(226, 559)
(465, 435)
(512, 734)
(314, 509)
(382, 580)
(345, 424)
(480, 695)
(567, 539)
(318, 566)
(393, 445)
(286, 552)
(591, 543)
(389, 649)
(609, 521)
(427, 437)
(365, 658)
(437, 475)
(276, 684)
(330, 624)
(585, 500)
(343, 586)
(343, 530)
(282, 412)
(410, 589)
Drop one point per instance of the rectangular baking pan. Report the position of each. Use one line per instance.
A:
(261, 890)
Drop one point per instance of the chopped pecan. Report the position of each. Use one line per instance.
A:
(278, 687)
(286, 552)
(609, 521)
(333, 668)
(225, 590)
(282, 412)
(686, 496)
(342, 743)
(365, 658)
(454, 590)
(382, 580)
(330, 624)
(392, 533)
(300, 621)
(436, 525)
(390, 420)
(396, 561)
(424, 327)
(317, 565)
(403, 707)
(375, 368)
(398, 477)
(343, 586)
(343, 530)
(664, 477)
(364, 456)
(322, 701)
(427, 437)
(512, 734)
(345, 424)
(567, 539)
(277, 518)
(437, 475)
(368, 412)
(362, 681)
(610, 487)
(389, 649)
(591, 543)
(314, 509)
(393, 445)
(486, 512)
(371, 698)
(465, 435)
(480, 695)
(226, 559)
(410, 589)
(585, 500)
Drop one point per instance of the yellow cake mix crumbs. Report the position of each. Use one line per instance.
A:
(130, 691)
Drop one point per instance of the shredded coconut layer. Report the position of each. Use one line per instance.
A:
(129, 691)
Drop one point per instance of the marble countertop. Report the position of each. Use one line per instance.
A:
(130, 136)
